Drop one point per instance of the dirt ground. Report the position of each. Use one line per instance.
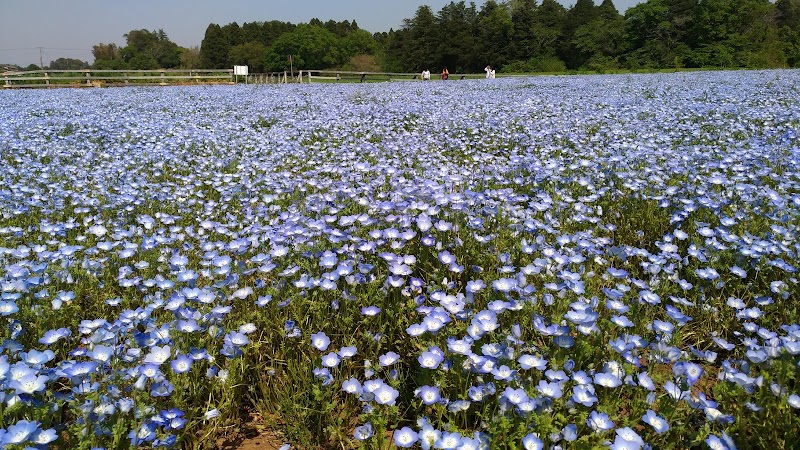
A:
(264, 441)
(250, 435)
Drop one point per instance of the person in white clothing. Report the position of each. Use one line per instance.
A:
(489, 72)
(426, 75)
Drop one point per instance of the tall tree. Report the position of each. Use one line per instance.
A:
(650, 37)
(579, 15)
(421, 43)
(456, 23)
(494, 34)
(310, 46)
(233, 34)
(67, 64)
(249, 54)
(548, 26)
(190, 58)
(214, 48)
(788, 20)
(523, 37)
(599, 41)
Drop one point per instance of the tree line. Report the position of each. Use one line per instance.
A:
(512, 36)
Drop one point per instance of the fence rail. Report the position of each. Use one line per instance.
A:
(365, 77)
(97, 78)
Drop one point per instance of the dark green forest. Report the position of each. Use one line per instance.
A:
(512, 36)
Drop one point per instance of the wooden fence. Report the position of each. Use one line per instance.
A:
(98, 78)
(165, 77)
(336, 76)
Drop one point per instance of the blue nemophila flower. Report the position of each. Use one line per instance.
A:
(584, 395)
(324, 374)
(388, 359)
(331, 360)
(385, 395)
(181, 363)
(348, 352)
(515, 396)
(720, 443)
(319, 341)
(352, 386)
(552, 389)
(20, 432)
(37, 358)
(608, 380)
(428, 435)
(428, 394)
(447, 440)
(599, 422)
(158, 355)
(370, 311)
(626, 438)
(364, 432)
(659, 424)
(532, 442)
(430, 359)
(405, 437)
(29, 383)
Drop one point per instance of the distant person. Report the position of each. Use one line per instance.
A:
(426, 75)
(445, 74)
(490, 74)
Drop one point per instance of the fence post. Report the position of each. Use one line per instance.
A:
(88, 77)
(163, 81)
(46, 79)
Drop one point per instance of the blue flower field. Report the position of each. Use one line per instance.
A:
(527, 263)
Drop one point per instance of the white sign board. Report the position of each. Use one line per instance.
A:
(240, 70)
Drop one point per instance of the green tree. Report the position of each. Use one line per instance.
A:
(456, 24)
(788, 13)
(548, 26)
(787, 17)
(581, 14)
(150, 50)
(107, 56)
(735, 33)
(600, 40)
(359, 42)
(494, 34)
(249, 54)
(310, 46)
(420, 45)
(190, 58)
(523, 38)
(214, 48)
(67, 64)
(650, 38)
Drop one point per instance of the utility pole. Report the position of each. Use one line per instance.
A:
(41, 57)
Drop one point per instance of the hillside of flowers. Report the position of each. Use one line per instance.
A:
(548, 262)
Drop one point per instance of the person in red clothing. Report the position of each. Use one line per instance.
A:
(445, 74)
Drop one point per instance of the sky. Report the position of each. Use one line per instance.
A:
(69, 29)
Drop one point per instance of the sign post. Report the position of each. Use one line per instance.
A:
(240, 70)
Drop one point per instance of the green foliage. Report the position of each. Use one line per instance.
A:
(249, 54)
(68, 63)
(309, 45)
(214, 48)
(548, 64)
(511, 35)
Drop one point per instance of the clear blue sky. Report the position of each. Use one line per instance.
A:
(69, 29)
